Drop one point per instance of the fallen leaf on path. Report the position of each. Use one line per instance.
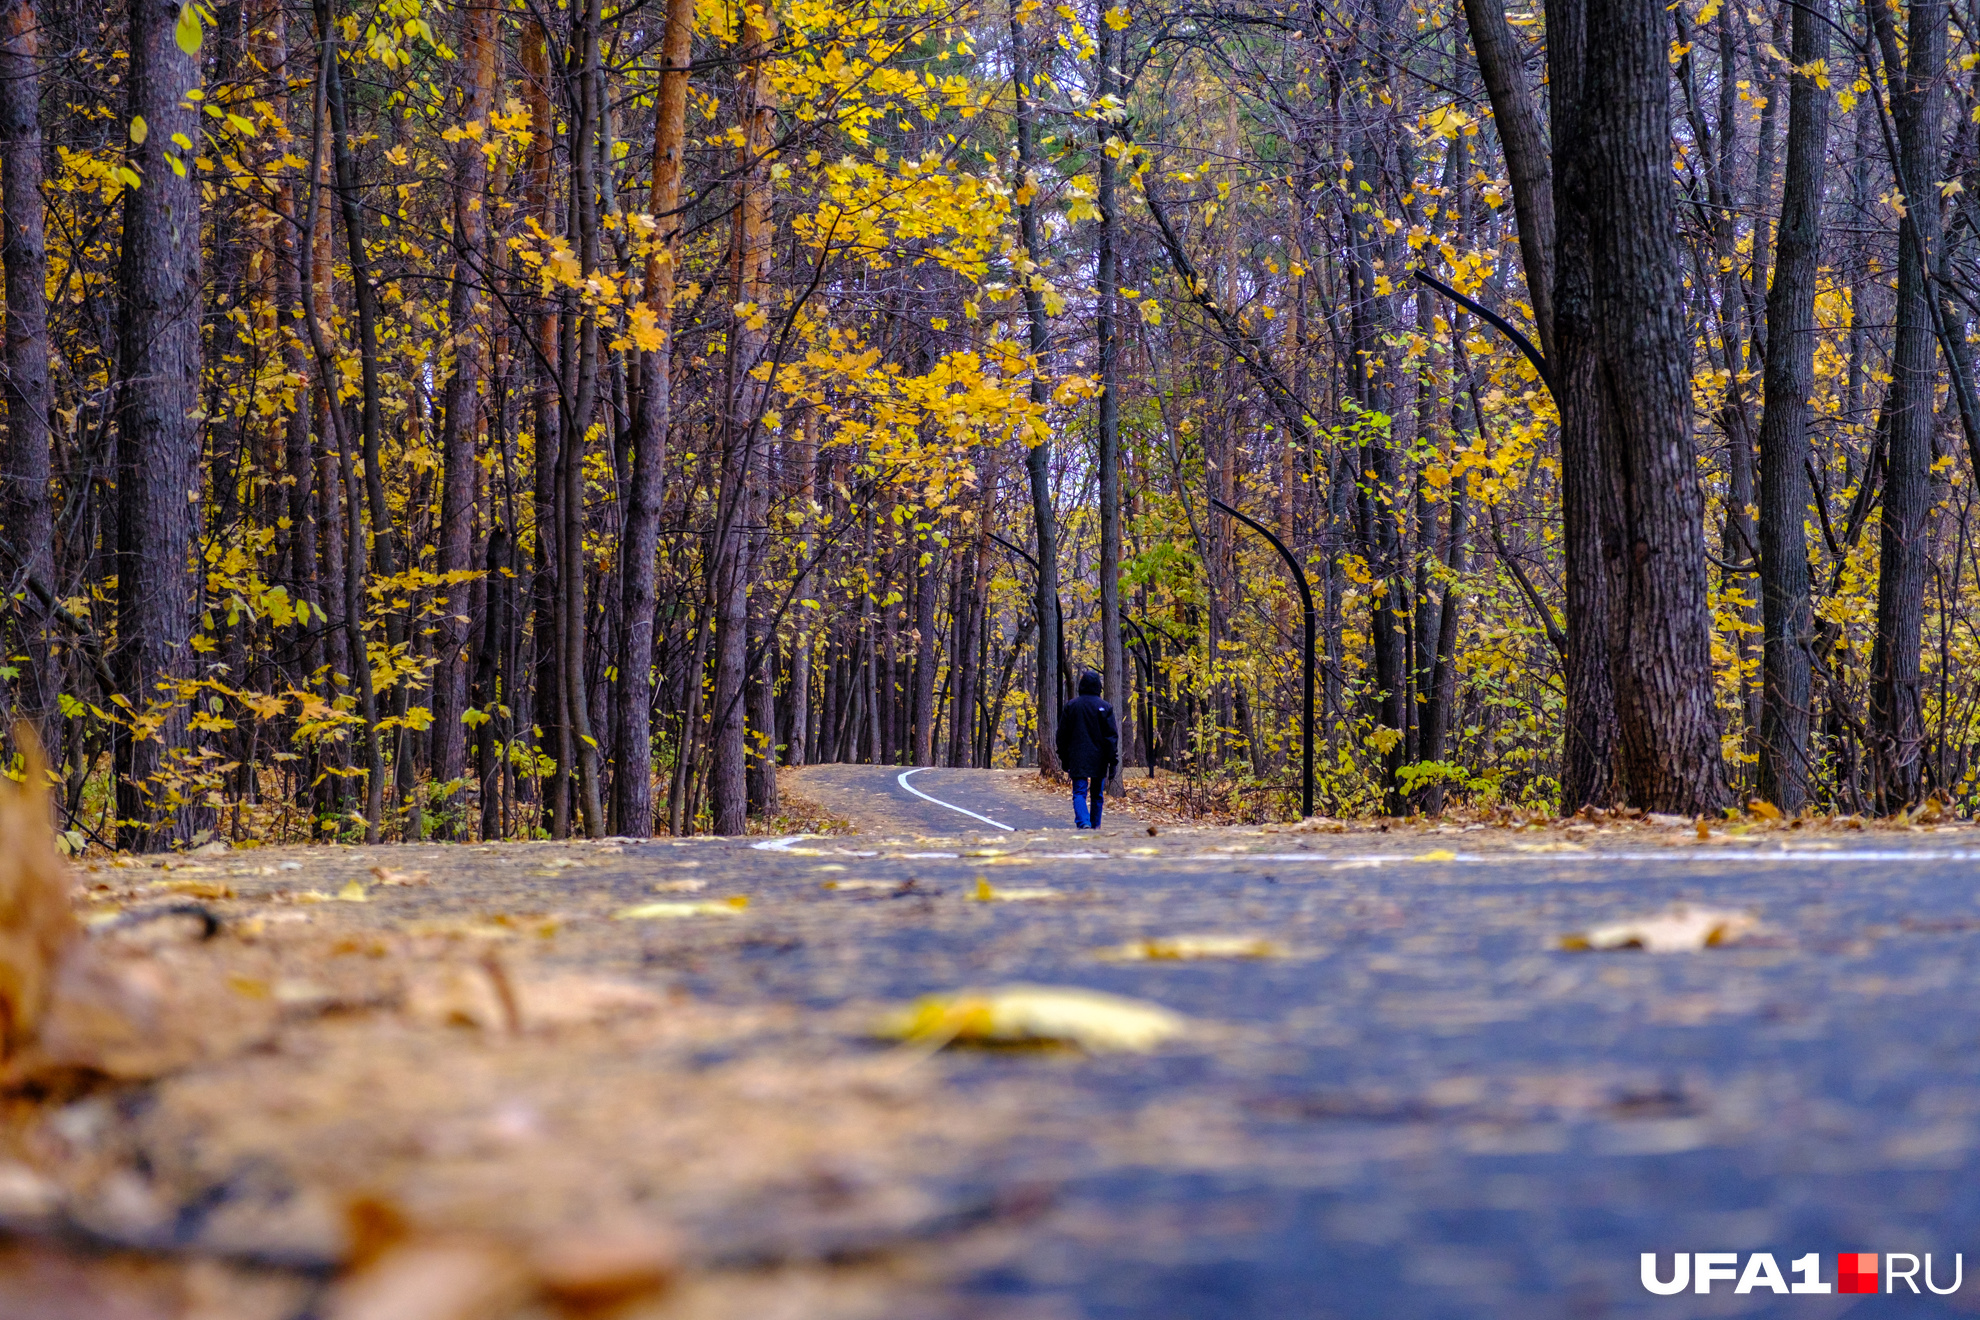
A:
(466, 1280)
(385, 875)
(680, 886)
(352, 892)
(1549, 847)
(194, 888)
(1679, 930)
(719, 907)
(847, 886)
(594, 1269)
(1185, 947)
(1436, 855)
(985, 892)
(1032, 1014)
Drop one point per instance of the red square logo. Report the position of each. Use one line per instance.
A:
(1856, 1272)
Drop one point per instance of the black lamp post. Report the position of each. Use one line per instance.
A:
(1306, 601)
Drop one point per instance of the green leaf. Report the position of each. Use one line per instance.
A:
(187, 33)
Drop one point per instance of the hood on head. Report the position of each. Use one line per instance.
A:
(1089, 684)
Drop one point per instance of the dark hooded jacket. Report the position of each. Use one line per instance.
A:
(1089, 737)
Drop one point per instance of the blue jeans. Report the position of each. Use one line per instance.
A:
(1081, 818)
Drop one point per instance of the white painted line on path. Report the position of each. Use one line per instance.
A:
(903, 782)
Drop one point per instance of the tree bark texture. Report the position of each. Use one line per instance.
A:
(27, 504)
(1896, 700)
(158, 476)
(1786, 690)
(1653, 549)
(1589, 740)
(459, 443)
(632, 782)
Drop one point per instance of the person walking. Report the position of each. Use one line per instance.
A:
(1089, 748)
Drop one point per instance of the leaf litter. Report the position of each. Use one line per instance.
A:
(1679, 929)
(1091, 1020)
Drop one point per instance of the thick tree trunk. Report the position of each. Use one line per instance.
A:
(1654, 552)
(1786, 689)
(158, 469)
(27, 504)
(1896, 701)
(1589, 740)
(458, 443)
(632, 781)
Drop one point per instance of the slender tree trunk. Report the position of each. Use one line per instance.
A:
(28, 501)
(1525, 151)
(730, 566)
(458, 443)
(1654, 552)
(546, 500)
(1896, 699)
(315, 246)
(1038, 457)
(582, 402)
(1113, 678)
(1786, 688)
(928, 579)
(632, 782)
(158, 478)
(800, 749)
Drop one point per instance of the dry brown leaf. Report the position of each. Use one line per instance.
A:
(460, 1280)
(36, 925)
(385, 875)
(131, 1013)
(595, 1268)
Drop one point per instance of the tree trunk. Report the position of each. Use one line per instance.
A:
(1525, 151)
(1786, 689)
(1896, 709)
(1589, 740)
(28, 502)
(1113, 679)
(1038, 457)
(546, 501)
(581, 403)
(632, 782)
(458, 447)
(929, 576)
(730, 563)
(158, 476)
(1654, 552)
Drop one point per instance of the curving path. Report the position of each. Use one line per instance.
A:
(935, 800)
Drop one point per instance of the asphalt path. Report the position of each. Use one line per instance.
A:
(1425, 1107)
(933, 800)
(1430, 1109)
